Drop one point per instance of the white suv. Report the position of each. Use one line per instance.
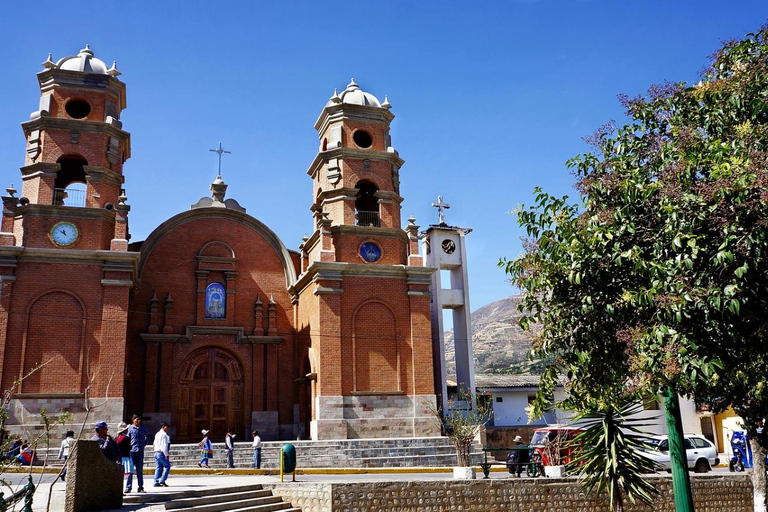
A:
(701, 454)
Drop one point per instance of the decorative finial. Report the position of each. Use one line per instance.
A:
(11, 190)
(440, 205)
(49, 64)
(352, 85)
(122, 198)
(87, 50)
(386, 103)
(411, 220)
(113, 70)
(220, 152)
(271, 298)
(335, 98)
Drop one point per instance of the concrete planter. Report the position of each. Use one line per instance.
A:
(461, 473)
(554, 471)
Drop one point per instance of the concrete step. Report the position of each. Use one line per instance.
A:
(208, 499)
(249, 498)
(137, 498)
(226, 502)
(398, 452)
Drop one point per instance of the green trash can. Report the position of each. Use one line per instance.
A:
(287, 458)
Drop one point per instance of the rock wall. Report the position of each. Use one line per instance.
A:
(93, 482)
(712, 493)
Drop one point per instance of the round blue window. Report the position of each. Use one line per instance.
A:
(370, 252)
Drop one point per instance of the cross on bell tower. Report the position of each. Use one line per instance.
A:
(440, 205)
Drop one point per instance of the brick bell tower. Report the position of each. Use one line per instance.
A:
(363, 293)
(66, 273)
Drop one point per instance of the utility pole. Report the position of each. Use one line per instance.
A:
(681, 482)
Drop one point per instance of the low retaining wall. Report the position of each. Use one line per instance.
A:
(712, 493)
(93, 482)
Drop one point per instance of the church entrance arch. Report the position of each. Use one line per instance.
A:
(210, 394)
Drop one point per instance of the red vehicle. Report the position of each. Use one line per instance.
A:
(557, 436)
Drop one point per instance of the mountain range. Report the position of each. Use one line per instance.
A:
(499, 344)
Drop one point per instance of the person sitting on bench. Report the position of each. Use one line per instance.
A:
(518, 459)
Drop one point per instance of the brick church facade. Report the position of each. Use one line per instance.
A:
(211, 322)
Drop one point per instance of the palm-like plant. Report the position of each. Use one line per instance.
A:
(608, 457)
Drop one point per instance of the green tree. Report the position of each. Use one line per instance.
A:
(658, 279)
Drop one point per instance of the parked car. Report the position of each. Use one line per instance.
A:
(700, 452)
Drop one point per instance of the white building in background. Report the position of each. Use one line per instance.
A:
(511, 394)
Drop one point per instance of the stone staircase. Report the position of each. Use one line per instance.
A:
(250, 498)
(347, 453)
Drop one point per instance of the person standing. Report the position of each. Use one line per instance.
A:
(138, 436)
(65, 450)
(162, 449)
(124, 447)
(256, 450)
(229, 441)
(206, 449)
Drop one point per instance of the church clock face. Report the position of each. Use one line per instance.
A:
(64, 234)
(448, 246)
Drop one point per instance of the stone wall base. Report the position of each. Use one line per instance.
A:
(374, 416)
(24, 418)
(712, 493)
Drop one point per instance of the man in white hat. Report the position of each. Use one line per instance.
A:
(518, 458)
(124, 445)
(206, 449)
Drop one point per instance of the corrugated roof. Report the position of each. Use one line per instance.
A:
(488, 380)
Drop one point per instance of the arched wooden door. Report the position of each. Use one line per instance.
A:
(210, 394)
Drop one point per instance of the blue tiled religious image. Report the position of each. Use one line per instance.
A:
(370, 252)
(215, 301)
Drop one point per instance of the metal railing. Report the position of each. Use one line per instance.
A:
(25, 493)
(68, 197)
(365, 218)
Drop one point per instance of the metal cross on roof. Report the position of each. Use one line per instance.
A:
(440, 205)
(220, 151)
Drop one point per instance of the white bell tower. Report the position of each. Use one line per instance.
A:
(445, 249)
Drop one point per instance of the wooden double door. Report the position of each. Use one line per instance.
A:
(210, 394)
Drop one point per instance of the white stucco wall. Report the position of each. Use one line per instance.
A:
(510, 412)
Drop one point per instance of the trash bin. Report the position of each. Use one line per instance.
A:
(288, 458)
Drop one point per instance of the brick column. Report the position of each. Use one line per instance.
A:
(6, 292)
(114, 324)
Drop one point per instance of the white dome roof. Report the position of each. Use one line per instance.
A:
(84, 62)
(353, 95)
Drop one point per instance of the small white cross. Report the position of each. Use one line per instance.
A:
(220, 151)
(440, 205)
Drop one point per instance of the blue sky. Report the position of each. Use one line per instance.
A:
(490, 98)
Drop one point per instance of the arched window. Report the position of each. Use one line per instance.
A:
(367, 204)
(70, 185)
(215, 301)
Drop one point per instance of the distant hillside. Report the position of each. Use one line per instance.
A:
(499, 344)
